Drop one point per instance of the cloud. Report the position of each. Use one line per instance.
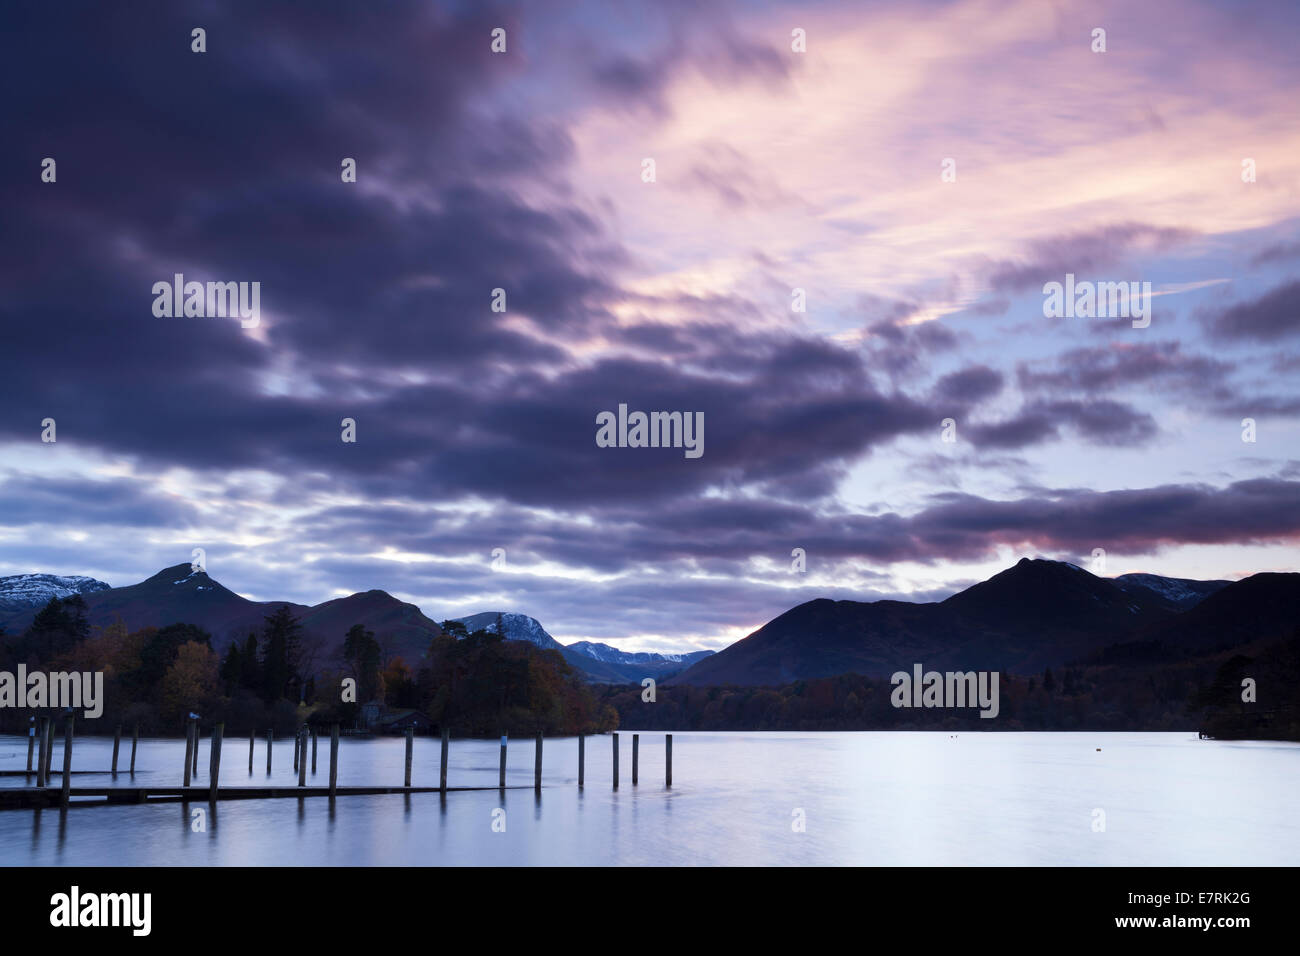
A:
(1272, 317)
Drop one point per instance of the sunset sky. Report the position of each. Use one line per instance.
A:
(775, 170)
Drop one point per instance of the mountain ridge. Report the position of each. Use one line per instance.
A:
(1036, 614)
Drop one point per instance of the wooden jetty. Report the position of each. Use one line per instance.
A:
(65, 795)
(29, 798)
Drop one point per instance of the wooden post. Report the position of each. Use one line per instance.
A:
(504, 738)
(297, 745)
(442, 774)
(214, 761)
(135, 740)
(252, 738)
(302, 764)
(40, 756)
(47, 759)
(582, 759)
(636, 756)
(117, 742)
(668, 759)
(537, 764)
(334, 759)
(616, 761)
(189, 745)
(270, 732)
(31, 742)
(49, 749)
(410, 745)
(67, 758)
(313, 749)
(196, 748)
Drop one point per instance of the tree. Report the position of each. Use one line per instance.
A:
(399, 685)
(281, 641)
(363, 655)
(190, 682)
(251, 671)
(158, 651)
(232, 669)
(56, 629)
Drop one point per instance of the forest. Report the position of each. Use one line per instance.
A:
(473, 684)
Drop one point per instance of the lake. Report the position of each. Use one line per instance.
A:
(887, 798)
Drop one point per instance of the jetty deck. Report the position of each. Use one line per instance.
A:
(40, 746)
(36, 798)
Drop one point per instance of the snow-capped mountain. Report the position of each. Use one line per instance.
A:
(18, 591)
(612, 655)
(1182, 593)
(518, 627)
(597, 662)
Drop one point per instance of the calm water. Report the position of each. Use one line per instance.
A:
(867, 798)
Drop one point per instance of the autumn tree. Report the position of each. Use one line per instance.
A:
(190, 683)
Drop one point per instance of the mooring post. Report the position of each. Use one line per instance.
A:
(616, 761)
(334, 759)
(40, 752)
(537, 764)
(410, 747)
(582, 759)
(31, 741)
(502, 784)
(214, 760)
(442, 774)
(189, 748)
(270, 732)
(47, 749)
(636, 756)
(196, 748)
(302, 764)
(297, 745)
(135, 740)
(67, 758)
(313, 749)
(117, 742)
(668, 759)
(252, 738)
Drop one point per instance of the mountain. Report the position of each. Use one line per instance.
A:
(1263, 606)
(1034, 615)
(1180, 593)
(19, 592)
(605, 664)
(401, 629)
(518, 627)
(175, 594)
(599, 663)
(181, 594)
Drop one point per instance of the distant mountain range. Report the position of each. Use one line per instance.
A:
(182, 594)
(599, 662)
(1179, 593)
(1034, 615)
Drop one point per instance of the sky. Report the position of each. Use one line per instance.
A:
(914, 173)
